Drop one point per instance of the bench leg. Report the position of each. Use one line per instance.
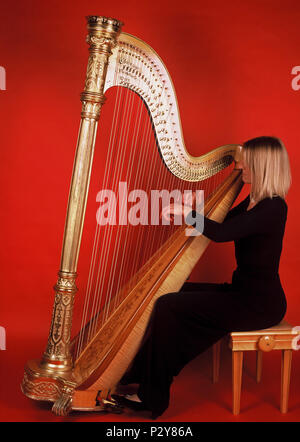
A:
(237, 368)
(216, 361)
(286, 362)
(258, 365)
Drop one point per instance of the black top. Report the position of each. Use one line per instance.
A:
(257, 234)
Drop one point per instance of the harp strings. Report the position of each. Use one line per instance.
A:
(117, 165)
(131, 230)
(121, 235)
(115, 261)
(116, 150)
(108, 165)
(139, 170)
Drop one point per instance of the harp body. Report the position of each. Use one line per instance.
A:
(72, 382)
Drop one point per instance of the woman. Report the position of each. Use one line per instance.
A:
(184, 324)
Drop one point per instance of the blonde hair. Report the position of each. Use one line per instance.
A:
(269, 165)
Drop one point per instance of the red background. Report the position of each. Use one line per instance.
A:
(231, 66)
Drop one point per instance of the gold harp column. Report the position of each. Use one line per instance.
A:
(102, 37)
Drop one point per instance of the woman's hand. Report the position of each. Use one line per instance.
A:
(169, 212)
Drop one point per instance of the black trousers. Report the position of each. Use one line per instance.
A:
(183, 325)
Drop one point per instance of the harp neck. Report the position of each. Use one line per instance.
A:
(136, 66)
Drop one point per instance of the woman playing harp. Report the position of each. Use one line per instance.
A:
(186, 323)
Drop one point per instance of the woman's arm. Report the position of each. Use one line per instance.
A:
(268, 217)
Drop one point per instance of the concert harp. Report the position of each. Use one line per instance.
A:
(131, 265)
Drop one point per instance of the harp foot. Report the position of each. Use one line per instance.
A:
(63, 405)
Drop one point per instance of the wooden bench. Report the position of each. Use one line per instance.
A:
(279, 337)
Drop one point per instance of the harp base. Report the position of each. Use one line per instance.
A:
(43, 385)
(40, 384)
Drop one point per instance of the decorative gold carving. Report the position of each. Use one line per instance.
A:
(94, 74)
(60, 330)
(100, 20)
(102, 36)
(100, 42)
(44, 390)
(91, 109)
(63, 405)
(66, 282)
(41, 384)
(59, 337)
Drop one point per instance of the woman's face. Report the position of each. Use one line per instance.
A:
(246, 174)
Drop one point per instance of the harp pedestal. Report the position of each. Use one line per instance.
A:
(45, 385)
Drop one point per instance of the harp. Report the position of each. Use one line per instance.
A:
(132, 264)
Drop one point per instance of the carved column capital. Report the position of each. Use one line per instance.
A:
(102, 38)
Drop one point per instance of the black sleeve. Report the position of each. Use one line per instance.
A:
(238, 209)
(193, 216)
(266, 218)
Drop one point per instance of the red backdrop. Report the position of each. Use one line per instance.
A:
(231, 65)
